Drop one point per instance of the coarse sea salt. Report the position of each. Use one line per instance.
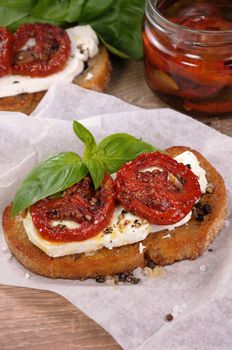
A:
(167, 236)
(155, 272)
(110, 281)
(27, 275)
(202, 268)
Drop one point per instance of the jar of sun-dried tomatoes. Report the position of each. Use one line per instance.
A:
(188, 54)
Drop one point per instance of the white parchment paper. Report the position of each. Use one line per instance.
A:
(198, 293)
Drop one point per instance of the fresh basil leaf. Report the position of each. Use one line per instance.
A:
(19, 4)
(86, 137)
(49, 177)
(117, 149)
(92, 11)
(118, 24)
(110, 154)
(96, 170)
(10, 15)
(66, 11)
(113, 49)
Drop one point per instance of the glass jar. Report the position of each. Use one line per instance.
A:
(190, 69)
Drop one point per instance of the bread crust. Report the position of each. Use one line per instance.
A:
(185, 242)
(99, 66)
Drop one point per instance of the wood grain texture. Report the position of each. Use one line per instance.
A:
(31, 319)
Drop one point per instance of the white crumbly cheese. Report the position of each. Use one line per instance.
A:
(141, 248)
(156, 228)
(89, 76)
(190, 158)
(84, 45)
(69, 224)
(124, 228)
(167, 236)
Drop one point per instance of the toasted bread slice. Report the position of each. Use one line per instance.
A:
(185, 242)
(95, 77)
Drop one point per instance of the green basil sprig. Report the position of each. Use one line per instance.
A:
(110, 154)
(117, 22)
(50, 176)
(61, 171)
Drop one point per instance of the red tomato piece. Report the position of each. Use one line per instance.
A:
(90, 209)
(6, 47)
(164, 195)
(46, 55)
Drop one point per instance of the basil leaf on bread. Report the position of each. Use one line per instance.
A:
(110, 154)
(53, 175)
(86, 137)
(118, 149)
(61, 171)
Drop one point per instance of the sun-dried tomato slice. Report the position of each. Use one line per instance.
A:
(163, 195)
(6, 47)
(90, 209)
(40, 49)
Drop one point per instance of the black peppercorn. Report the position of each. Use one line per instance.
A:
(123, 276)
(200, 218)
(128, 277)
(207, 209)
(151, 264)
(100, 279)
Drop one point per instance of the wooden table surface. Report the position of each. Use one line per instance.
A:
(32, 319)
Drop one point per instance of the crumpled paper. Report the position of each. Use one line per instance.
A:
(198, 293)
